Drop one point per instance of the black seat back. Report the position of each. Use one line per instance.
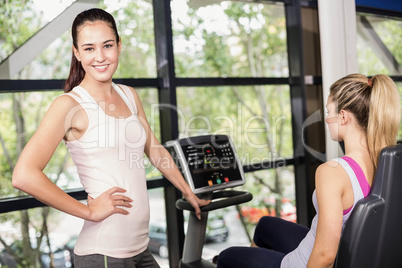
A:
(373, 234)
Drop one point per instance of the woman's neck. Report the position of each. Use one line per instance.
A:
(356, 148)
(356, 144)
(97, 88)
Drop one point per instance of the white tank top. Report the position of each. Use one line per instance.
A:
(109, 154)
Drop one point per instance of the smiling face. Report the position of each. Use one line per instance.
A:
(98, 51)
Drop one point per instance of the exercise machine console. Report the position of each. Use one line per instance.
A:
(210, 165)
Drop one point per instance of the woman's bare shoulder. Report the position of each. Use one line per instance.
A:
(331, 174)
(65, 102)
(331, 166)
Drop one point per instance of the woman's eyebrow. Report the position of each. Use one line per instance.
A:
(90, 44)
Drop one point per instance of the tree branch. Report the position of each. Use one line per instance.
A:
(10, 251)
(235, 90)
(19, 123)
(260, 180)
(62, 167)
(7, 153)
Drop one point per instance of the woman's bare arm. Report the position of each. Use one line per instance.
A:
(28, 174)
(330, 185)
(162, 160)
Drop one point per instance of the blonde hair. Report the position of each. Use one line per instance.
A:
(375, 104)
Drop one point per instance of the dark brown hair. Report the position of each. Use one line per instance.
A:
(77, 73)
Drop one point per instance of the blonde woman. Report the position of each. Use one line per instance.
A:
(363, 113)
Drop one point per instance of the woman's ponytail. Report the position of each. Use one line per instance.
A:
(384, 115)
(76, 75)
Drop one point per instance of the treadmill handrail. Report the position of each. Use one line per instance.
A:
(230, 198)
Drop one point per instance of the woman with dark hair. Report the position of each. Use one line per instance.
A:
(106, 131)
(364, 114)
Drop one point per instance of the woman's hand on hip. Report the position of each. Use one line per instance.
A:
(108, 203)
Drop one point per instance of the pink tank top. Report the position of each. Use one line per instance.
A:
(109, 154)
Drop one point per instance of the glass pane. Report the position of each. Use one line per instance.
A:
(38, 238)
(157, 228)
(273, 194)
(257, 118)
(222, 38)
(29, 109)
(135, 23)
(378, 46)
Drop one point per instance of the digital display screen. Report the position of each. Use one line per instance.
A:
(210, 162)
